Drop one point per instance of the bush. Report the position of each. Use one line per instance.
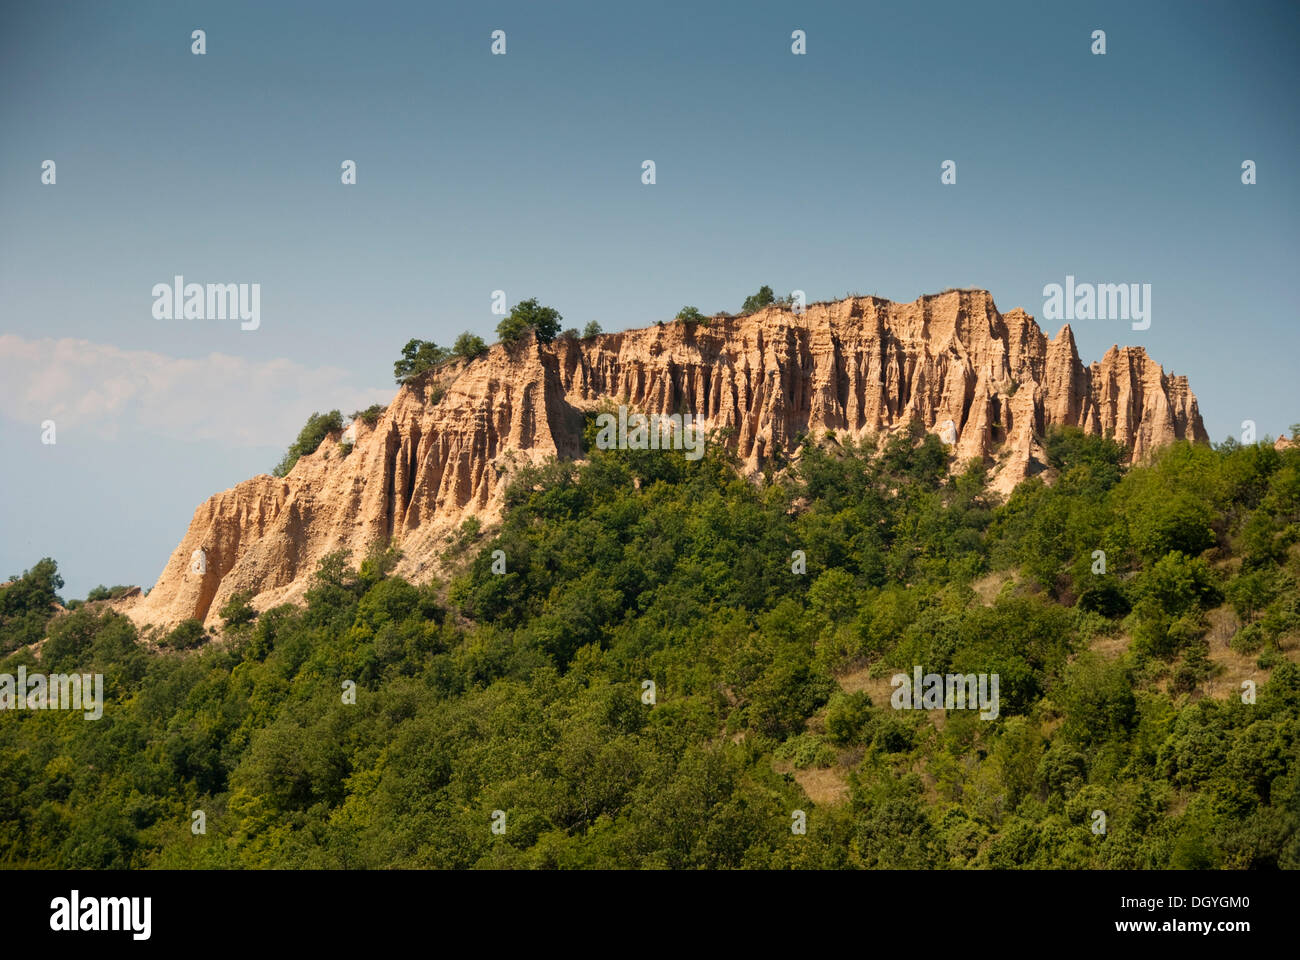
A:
(187, 635)
(1249, 639)
(1269, 658)
(529, 315)
(468, 346)
(369, 416)
(309, 438)
(1184, 631)
(592, 329)
(847, 717)
(237, 610)
(690, 315)
(1106, 599)
(102, 592)
(418, 357)
(806, 750)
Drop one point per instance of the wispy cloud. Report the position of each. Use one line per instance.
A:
(230, 400)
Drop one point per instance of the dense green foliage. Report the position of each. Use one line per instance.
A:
(317, 427)
(27, 602)
(691, 315)
(592, 329)
(757, 301)
(418, 357)
(522, 691)
(468, 346)
(102, 592)
(369, 416)
(529, 315)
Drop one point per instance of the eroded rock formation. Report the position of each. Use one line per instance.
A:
(858, 366)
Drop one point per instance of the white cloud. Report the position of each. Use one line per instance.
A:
(229, 400)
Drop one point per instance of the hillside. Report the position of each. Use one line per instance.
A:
(678, 667)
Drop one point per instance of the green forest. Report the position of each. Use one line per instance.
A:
(683, 668)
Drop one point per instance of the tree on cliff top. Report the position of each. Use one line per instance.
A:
(757, 301)
(418, 356)
(26, 604)
(529, 315)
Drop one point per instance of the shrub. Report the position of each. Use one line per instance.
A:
(309, 438)
(690, 315)
(187, 635)
(468, 346)
(847, 717)
(1106, 598)
(592, 329)
(237, 610)
(369, 416)
(806, 750)
(1185, 631)
(1269, 658)
(102, 592)
(1249, 639)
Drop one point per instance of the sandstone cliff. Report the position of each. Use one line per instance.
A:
(858, 366)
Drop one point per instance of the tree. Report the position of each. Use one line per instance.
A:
(1251, 591)
(690, 315)
(318, 425)
(757, 301)
(468, 346)
(592, 329)
(418, 356)
(529, 315)
(27, 603)
(1177, 582)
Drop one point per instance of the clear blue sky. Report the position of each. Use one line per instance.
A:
(522, 173)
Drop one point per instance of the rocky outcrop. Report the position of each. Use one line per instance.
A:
(989, 383)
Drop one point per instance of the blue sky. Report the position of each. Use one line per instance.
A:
(522, 172)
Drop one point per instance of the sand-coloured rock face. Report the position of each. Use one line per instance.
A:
(858, 366)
